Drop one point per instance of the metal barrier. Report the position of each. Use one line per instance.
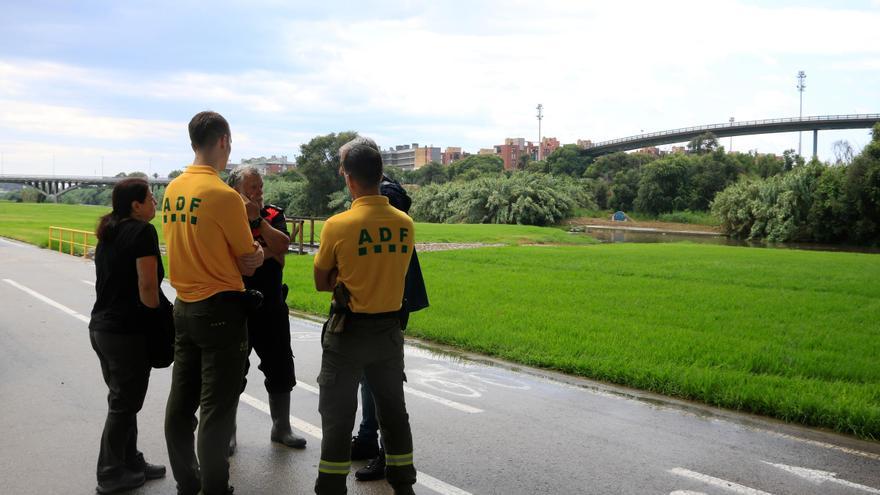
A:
(71, 240)
(296, 230)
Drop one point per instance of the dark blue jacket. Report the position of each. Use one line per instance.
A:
(415, 296)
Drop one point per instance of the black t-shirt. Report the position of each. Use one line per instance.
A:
(267, 278)
(117, 306)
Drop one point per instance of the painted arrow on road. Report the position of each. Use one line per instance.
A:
(818, 477)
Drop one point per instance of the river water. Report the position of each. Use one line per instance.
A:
(612, 235)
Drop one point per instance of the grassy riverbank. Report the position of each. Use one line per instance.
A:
(788, 334)
(30, 222)
(784, 333)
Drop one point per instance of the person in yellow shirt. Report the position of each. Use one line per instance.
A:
(209, 247)
(365, 253)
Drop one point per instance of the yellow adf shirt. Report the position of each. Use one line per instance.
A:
(206, 229)
(370, 245)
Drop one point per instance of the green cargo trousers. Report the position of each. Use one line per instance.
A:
(374, 348)
(210, 349)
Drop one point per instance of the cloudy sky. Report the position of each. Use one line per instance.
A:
(87, 82)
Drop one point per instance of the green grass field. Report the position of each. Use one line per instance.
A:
(30, 222)
(788, 334)
(784, 333)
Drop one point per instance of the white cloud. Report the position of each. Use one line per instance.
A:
(46, 158)
(451, 75)
(65, 121)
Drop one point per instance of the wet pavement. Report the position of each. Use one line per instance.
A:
(480, 426)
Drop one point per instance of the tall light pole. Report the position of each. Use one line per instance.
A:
(540, 109)
(731, 137)
(800, 87)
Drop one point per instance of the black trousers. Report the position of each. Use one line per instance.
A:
(269, 335)
(126, 371)
(210, 349)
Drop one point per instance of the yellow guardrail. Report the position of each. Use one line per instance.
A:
(74, 239)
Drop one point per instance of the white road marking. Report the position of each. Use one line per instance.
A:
(88, 282)
(449, 387)
(446, 402)
(717, 482)
(819, 477)
(830, 446)
(423, 479)
(439, 486)
(307, 387)
(418, 393)
(50, 302)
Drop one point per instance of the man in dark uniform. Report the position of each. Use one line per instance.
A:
(269, 326)
(363, 258)
(415, 298)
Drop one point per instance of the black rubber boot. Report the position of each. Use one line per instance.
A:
(279, 408)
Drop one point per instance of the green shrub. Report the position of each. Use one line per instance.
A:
(521, 198)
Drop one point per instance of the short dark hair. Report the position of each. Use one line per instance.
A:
(206, 128)
(364, 164)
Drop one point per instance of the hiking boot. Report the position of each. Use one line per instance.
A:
(373, 471)
(363, 451)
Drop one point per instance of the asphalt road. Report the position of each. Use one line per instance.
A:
(480, 427)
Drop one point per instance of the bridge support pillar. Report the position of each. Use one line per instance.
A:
(815, 143)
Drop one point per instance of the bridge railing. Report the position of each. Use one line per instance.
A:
(744, 123)
(77, 241)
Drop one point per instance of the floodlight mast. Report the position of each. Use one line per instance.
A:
(540, 109)
(800, 87)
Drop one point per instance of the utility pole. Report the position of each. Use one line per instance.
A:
(102, 166)
(731, 138)
(540, 109)
(800, 87)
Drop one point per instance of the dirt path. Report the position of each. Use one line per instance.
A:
(649, 224)
(448, 246)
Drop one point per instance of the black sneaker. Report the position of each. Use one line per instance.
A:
(362, 451)
(153, 471)
(373, 471)
(125, 481)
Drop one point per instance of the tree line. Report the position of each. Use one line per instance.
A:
(757, 196)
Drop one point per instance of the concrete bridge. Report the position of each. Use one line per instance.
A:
(791, 124)
(56, 185)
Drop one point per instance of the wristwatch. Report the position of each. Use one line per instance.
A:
(255, 224)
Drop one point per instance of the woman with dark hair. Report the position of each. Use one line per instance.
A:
(129, 272)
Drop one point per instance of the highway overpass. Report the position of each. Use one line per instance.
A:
(745, 128)
(56, 185)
